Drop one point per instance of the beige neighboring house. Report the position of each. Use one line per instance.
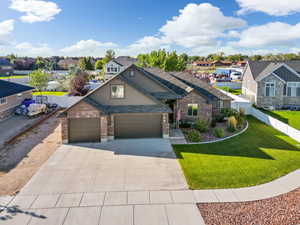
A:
(12, 95)
(272, 84)
(140, 103)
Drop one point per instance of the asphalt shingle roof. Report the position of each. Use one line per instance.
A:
(169, 81)
(8, 88)
(262, 68)
(200, 86)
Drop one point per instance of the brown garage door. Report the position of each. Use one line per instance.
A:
(138, 126)
(84, 130)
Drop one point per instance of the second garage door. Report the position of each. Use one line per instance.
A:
(84, 130)
(138, 126)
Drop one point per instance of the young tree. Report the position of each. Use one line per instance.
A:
(99, 64)
(77, 83)
(39, 79)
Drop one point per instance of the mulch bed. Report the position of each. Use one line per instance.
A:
(209, 135)
(281, 210)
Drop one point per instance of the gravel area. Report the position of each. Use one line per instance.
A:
(281, 210)
(20, 161)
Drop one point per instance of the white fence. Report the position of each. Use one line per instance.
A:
(283, 127)
(240, 102)
(63, 101)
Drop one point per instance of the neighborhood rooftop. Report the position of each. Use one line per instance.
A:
(9, 88)
(261, 68)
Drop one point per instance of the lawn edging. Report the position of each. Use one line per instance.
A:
(218, 140)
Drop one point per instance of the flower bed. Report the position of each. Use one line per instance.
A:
(210, 134)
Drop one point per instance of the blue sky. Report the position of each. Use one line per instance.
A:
(90, 27)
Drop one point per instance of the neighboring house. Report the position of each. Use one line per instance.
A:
(140, 103)
(220, 63)
(202, 63)
(6, 68)
(118, 64)
(12, 95)
(276, 84)
(241, 63)
(67, 63)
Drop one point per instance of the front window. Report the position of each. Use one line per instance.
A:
(192, 109)
(270, 89)
(117, 91)
(2, 101)
(293, 89)
(221, 104)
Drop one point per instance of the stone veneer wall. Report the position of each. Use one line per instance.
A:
(204, 109)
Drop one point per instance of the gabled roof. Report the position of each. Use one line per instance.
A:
(160, 107)
(125, 60)
(260, 69)
(168, 80)
(8, 88)
(200, 86)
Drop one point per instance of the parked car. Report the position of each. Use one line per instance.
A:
(235, 75)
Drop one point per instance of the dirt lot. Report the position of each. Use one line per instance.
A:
(281, 210)
(20, 161)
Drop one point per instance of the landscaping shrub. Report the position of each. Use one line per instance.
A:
(228, 112)
(185, 125)
(240, 121)
(213, 122)
(232, 124)
(194, 136)
(219, 132)
(201, 125)
(220, 117)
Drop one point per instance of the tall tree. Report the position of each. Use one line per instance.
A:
(109, 55)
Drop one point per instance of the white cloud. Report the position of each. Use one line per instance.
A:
(270, 35)
(198, 25)
(201, 24)
(35, 10)
(88, 48)
(27, 49)
(271, 7)
(6, 28)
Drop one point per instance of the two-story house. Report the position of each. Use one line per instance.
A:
(271, 83)
(118, 64)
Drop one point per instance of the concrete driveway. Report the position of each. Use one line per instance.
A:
(121, 165)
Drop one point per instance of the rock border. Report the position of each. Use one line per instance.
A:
(218, 140)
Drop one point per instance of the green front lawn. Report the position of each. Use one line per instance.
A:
(230, 90)
(257, 156)
(56, 93)
(291, 118)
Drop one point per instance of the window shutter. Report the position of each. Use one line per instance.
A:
(284, 90)
(298, 91)
(267, 91)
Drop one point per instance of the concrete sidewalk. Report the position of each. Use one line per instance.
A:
(105, 208)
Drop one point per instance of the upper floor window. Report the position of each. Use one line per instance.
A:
(270, 89)
(113, 69)
(192, 109)
(2, 101)
(117, 91)
(293, 89)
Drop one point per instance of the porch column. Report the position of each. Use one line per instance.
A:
(165, 125)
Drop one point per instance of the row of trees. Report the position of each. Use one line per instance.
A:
(241, 57)
(168, 61)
